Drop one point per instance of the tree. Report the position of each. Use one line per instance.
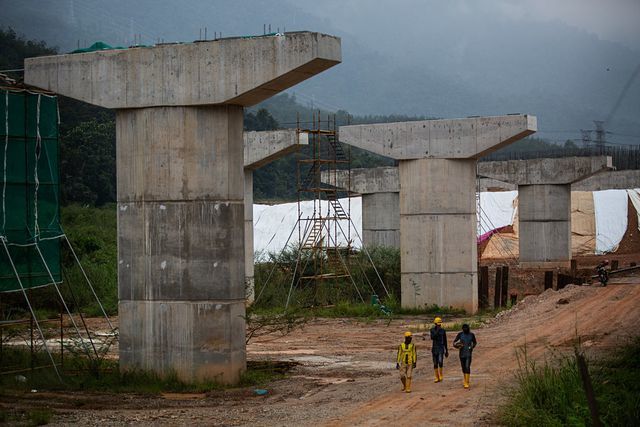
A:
(569, 144)
(14, 49)
(88, 163)
(261, 120)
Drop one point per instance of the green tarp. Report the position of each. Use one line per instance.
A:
(97, 46)
(29, 209)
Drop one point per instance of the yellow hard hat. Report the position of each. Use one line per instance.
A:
(437, 321)
(407, 334)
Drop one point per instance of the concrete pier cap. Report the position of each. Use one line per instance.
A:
(437, 171)
(179, 132)
(380, 191)
(544, 203)
(260, 149)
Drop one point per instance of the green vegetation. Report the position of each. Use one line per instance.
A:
(88, 163)
(551, 394)
(92, 232)
(40, 417)
(274, 276)
(32, 417)
(108, 378)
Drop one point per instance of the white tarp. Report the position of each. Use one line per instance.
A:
(497, 209)
(274, 223)
(610, 207)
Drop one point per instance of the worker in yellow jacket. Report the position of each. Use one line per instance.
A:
(406, 361)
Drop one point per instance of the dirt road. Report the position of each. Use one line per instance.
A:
(602, 317)
(345, 373)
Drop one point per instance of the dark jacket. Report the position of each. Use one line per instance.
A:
(468, 343)
(438, 340)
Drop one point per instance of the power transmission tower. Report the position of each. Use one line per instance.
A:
(600, 133)
(586, 137)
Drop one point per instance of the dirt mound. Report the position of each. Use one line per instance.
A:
(630, 243)
(534, 306)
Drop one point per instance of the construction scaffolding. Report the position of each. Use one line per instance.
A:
(326, 249)
(319, 234)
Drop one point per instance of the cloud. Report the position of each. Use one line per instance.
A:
(615, 20)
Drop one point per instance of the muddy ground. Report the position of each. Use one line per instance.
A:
(344, 370)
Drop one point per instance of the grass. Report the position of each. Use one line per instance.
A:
(108, 378)
(40, 417)
(551, 394)
(32, 417)
(346, 308)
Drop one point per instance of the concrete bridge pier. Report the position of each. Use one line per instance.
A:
(437, 169)
(179, 119)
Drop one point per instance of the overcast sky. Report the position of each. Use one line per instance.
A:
(615, 20)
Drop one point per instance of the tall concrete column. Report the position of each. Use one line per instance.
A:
(438, 233)
(381, 219)
(544, 203)
(437, 165)
(249, 268)
(181, 259)
(260, 149)
(380, 190)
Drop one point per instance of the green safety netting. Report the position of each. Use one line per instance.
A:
(97, 46)
(29, 209)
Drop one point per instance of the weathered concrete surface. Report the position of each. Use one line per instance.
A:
(380, 189)
(437, 172)
(443, 139)
(249, 268)
(544, 193)
(438, 251)
(489, 184)
(365, 180)
(181, 240)
(261, 148)
(609, 180)
(381, 219)
(238, 71)
(179, 120)
(544, 215)
(563, 170)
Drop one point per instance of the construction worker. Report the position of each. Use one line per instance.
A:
(466, 342)
(406, 361)
(439, 348)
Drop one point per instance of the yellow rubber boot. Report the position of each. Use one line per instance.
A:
(437, 374)
(466, 380)
(404, 383)
(440, 374)
(407, 389)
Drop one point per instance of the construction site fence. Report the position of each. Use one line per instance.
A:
(624, 158)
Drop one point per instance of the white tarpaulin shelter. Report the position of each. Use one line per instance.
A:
(274, 224)
(611, 218)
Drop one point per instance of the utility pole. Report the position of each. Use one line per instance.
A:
(586, 138)
(600, 134)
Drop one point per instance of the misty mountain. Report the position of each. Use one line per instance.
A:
(437, 59)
